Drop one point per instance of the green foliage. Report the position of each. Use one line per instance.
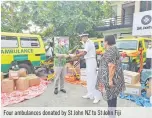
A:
(14, 16)
(56, 18)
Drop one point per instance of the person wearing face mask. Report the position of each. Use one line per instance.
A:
(89, 54)
(149, 56)
(61, 53)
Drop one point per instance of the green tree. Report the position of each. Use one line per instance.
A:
(14, 16)
(55, 18)
(70, 18)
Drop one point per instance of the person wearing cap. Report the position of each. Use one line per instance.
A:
(61, 53)
(49, 49)
(89, 54)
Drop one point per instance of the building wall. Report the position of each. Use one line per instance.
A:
(117, 32)
(120, 3)
(137, 6)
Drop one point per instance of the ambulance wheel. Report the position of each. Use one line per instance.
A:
(27, 67)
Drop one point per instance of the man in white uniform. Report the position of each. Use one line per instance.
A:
(89, 54)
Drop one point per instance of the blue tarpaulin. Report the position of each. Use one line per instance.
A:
(139, 100)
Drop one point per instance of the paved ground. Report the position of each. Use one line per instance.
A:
(71, 99)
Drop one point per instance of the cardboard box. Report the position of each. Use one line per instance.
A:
(33, 80)
(131, 77)
(22, 84)
(22, 72)
(133, 89)
(7, 86)
(13, 74)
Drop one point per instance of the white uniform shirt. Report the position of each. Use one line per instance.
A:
(149, 53)
(90, 49)
(49, 52)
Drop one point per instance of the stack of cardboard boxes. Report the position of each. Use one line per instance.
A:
(18, 80)
(132, 82)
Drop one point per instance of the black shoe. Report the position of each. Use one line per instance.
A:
(56, 91)
(63, 90)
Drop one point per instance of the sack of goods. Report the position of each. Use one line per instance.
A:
(131, 77)
(132, 82)
(7, 86)
(22, 72)
(13, 74)
(33, 80)
(133, 89)
(22, 84)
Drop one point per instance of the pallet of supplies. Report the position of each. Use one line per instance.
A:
(22, 84)
(22, 72)
(133, 89)
(131, 77)
(7, 86)
(2, 76)
(13, 74)
(33, 80)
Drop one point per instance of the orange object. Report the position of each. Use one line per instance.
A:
(22, 84)
(33, 80)
(73, 80)
(13, 74)
(7, 86)
(134, 54)
(22, 72)
(98, 52)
